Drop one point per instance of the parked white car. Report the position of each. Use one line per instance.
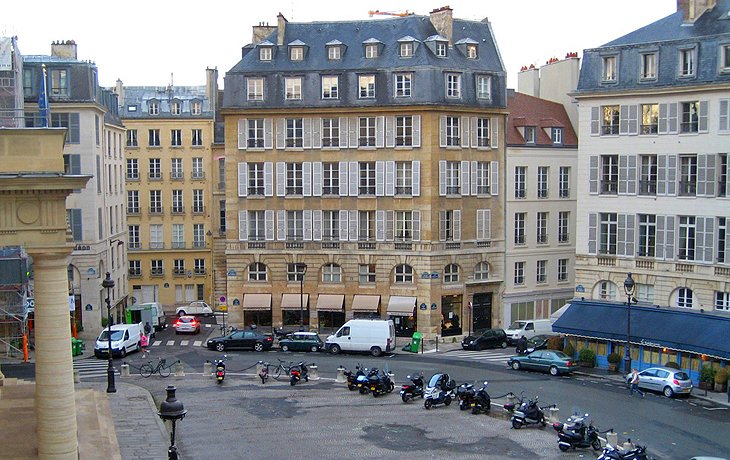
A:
(197, 307)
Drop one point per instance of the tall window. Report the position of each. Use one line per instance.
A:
(403, 131)
(723, 186)
(403, 274)
(690, 117)
(725, 58)
(687, 175)
(132, 201)
(608, 233)
(198, 203)
(177, 202)
(564, 179)
(687, 58)
(648, 175)
(196, 108)
(367, 178)
(331, 273)
(330, 85)
(453, 134)
(722, 239)
(483, 178)
(153, 107)
(648, 66)
(176, 137)
(132, 169)
(556, 135)
(294, 179)
(520, 181)
(649, 118)
(367, 132)
(175, 108)
(530, 134)
(366, 225)
(542, 234)
(542, 181)
(609, 69)
(453, 85)
(520, 228)
(483, 139)
(562, 269)
(59, 82)
(155, 201)
(484, 87)
(293, 88)
(403, 82)
(153, 139)
(563, 226)
(330, 179)
(132, 138)
(294, 225)
(541, 272)
(366, 273)
(176, 169)
(519, 273)
(155, 170)
(157, 267)
(441, 49)
(178, 236)
(294, 132)
(684, 297)
(199, 266)
(366, 84)
(256, 225)
(331, 225)
(722, 300)
(686, 249)
(198, 172)
(452, 178)
(133, 241)
(330, 132)
(156, 241)
(255, 133)
(446, 225)
(404, 226)
(609, 123)
(647, 235)
(609, 174)
(198, 235)
(197, 137)
(403, 178)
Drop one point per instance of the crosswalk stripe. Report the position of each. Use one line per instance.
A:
(184, 343)
(93, 368)
(170, 343)
(156, 343)
(197, 343)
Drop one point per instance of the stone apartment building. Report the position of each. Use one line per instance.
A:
(365, 170)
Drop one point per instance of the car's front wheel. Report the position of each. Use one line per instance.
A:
(335, 349)
(516, 365)
(503, 344)
(553, 370)
(376, 351)
(668, 392)
(285, 348)
(220, 347)
(258, 346)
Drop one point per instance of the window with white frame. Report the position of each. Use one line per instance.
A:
(644, 292)
(608, 233)
(609, 68)
(255, 88)
(367, 132)
(331, 273)
(176, 168)
(484, 87)
(153, 107)
(132, 138)
(483, 138)
(648, 170)
(255, 138)
(157, 267)
(197, 137)
(451, 274)
(687, 62)
(453, 85)
(530, 134)
(471, 51)
(453, 132)
(198, 235)
(648, 66)
(690, 117)
(178, 236)
(404, 226)
(452, 178)
(684, 297)
(687, 235)
(366, 225)
(177, 202)
(256, 225)
(330, 132)
(153, 138)
(441, 48)
(257, 272)
(609, 174)
(722, 239)
(687, 175)
(556, 135)
(563, 226)
(294, 272)
(564, 182)
(176, 137)
(133, 241)
(366, 273)
(175, 108)
(649, 118)
(198, 203)
(447, 224)
(403, 274)
(293, 88)
(133, 201)
(296, 53)
(371, 51)
(156, 238)
(541, 272)
(334, 52)
(199, 266)
(294, 132)
(366, 85)
(155, 201)
(198, 172)
(541, 227)
(562, 269)
(520, 228)
(610, 120)
(331, 225)
(196, 108)
(404, 178)
(404, 131)
(406, 49)
(483, 178)
(295, 225)
(724, 115)
(481, 271)
(294, 179)
(520, 181)
(330, 86)
(265, 53)
(722, 300)
(725, 58)
(607, 290)
(330, 179)
(543, 172)
(132, 169)
(403, 84)
(135, 268)
(519, 273)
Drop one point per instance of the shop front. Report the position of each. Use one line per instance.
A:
(402, 310)
(451, 314)
(366, 307)
(294, 311)
(330, 312)
(257, 310)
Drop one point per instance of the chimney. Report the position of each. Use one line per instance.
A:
(281, 29)
(211, 86)
(119, 90)
(260, 32)
(442, 20)
(66, 50)
(693, 9)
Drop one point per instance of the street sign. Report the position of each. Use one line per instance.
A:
(433, 306)
(223, 298)
(424, 306)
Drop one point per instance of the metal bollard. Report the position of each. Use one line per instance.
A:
(125, 370)
(77, 376)
(208, 369)
(554, 414)
(179, 370)
(313, 372)
(340, 375)
(612, 438)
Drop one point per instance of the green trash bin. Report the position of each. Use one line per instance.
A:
(76, 347)
(416, 342)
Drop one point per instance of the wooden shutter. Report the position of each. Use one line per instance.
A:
(343, 133)
(484, 224)
(703, 117)
(416, 178)
(672, 175)
(416, 225)
(464, 178)
(724, 115)
(242, 133)
(457, 225)
(389, 131)
(705, 236)
(269, 224)
(280, 133)
(592, 232)
(442, 225)
(354, 132)
(595, 121)
(242, 179)
(442, 178)
(625, 236)
(354, 176)
(280, 178)
(494, 127)
(343, 178)
(669, 238)
(390, 178)
(242, 225)
(353, 225)
(379, 132)
(464, 131)
(317, 225)
(416, 130)
(660, 236)
(494, 180)
(307, 178)
(268, 179)
(623, 123)
(307, 224)
(710, 174)
(268, 133)
(672, 118)
(316, 133)
(442, 131)
(379, 178)
(473, 185)
(661, 177)
(631, 186)
(281, 225)
(389, 224)
(623, 174)
(343, 225)
(633, 119)
(317, 178)
(379, 225)
(593, 174)
(663, 127)
(473, 132)
(307, 133)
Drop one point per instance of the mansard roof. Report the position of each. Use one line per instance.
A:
(527, 110)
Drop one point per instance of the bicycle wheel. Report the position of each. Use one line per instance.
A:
(146, 370)
(277, 373)
(164, 371)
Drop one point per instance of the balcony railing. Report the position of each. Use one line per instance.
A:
(650, 129)
(176, 175)
(133, 246)
(687, 188)
(403, 246)
(609, 187)
(563, 238)
(647, 187)
(154, 176)
(520, 193)
(197, 175)
(542, 193)
(178, 210)
(199, 271)
(133, 211)
(155, 209)
(178, 245)
(484, 244)
(519, 239)
(198, 244)
(259, 191)
(366, 245)
(609, 130)
(198, 209)
(178, 272)
(256, 245)
(157, 272)
(564, 193)
(404, 191)
(135, 273)
(330, 245)
(157, 245)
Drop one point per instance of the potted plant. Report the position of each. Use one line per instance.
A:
(721, 379)
(707, 377)
(587, 357)
(614, 359)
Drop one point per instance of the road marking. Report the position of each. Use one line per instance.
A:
(157, 343)
(170, 343)
(197, 343)
(92, 369)
(184, 343)
(209, 325)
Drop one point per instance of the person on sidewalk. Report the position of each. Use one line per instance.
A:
(634, 383)
(144, 340)
(147, 329)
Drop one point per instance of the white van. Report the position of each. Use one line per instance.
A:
(125, 338)
(150, 312)
(370, 335)
(529, 328)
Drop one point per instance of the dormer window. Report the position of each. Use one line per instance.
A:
(687, 62)
(725, 58)
(610, 69)
(441, 49)
(556, 134)
(530, 134)
(175, 108)
(333, 53)
(484, 87)
(153, 107)
(371, 51)
(196, 108)
(296, 53)
(471, 51)
(406, 49)
(265, 53)
(648, 66)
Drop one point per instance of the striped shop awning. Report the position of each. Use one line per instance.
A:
(330, 302)
(294, 301)
(257, 301)
(365, 303)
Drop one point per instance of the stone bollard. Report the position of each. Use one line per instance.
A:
(208, 369)
(259, 367)
(340, 375)
(612, 438)
(125, 370)
(179, 370)
(553, 417)
(313, 372)
(77, 376)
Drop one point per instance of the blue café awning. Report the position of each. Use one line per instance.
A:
(677, 329)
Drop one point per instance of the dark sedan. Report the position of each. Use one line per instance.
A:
(243, 340)
(301, 341)
(490, 338)
(553, 361)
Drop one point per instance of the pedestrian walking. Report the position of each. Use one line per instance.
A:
(144, 340)
(147, 328)
(634, 384)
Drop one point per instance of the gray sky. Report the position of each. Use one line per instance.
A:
(143, 42)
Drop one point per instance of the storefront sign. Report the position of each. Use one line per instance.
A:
(433, 306)
(82, 247)
(423, 306)
(649, 344)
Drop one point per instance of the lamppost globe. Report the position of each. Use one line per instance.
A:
(629, 286)
(108, 284)
(173, 410)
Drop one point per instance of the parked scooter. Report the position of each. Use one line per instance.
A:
(440, 390)
(465, 392)
(352, 377)
(363, 382)
(380, 383)
(482, 401)
(220, 369)
(612, 453)
(298, 373)
(510, 407)
(263, 371)
(412, 390)
(575, 434)
(529, 413)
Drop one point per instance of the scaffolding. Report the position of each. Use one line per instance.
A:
(16, 303)
(11, 84)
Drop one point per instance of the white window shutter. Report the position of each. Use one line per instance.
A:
(343, 132)
(379, 178)
(703, 117)
(307, 224)
(473, 178)
(633, 119)
(663, 127)
(672, 175)
(473, 132)
(724, 115)
(343, 225)
(307, 133)
(592, 232)
(317, 225)
(442, 178)
(661, 175)
(390, 178)
(280, 133)
(595, 121)
(269, 224)
(630, 234)
(354, 132)
(621, 235)
(623, 174)
(242, 225)
(389, 131)
(416, 130)
(484, 224)
(494, 127)
(701, 175)
(353, 225)
(416, 178)
(268, 133)
(416, 225)
(623, 123)
(280, 178)
(354, 178)
(464, 178)
(442, 131)
(379, 132)
(705, 237)
(380, 225)
(464, 131)
(268, 179)
(660, 234)
(442, 225)
(281, 225)
(243, 179)
(631, 185)
(494, 182)
(307, 178)
(389, 225)
(316, 133)
(669, 239)
(242, 133)
(317, 178)
(343, 178)
(672, 119)
(593, 175)
(457, 225)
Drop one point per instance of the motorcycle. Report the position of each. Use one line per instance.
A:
(220, 369)
(352, 377)
(440, 390)
(574, 433)
(380, 383)
(612, 453)
(482, 401)
(465, 392)
(529, 413)
(363, 382)
(412, 390)
(298, 373)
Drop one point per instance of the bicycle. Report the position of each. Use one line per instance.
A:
(161, 368)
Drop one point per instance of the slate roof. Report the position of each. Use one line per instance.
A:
(527, 110)
(139, 96)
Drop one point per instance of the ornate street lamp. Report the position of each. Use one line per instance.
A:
(171, 409)
(301, 270)
(629, 287)
(108, 284)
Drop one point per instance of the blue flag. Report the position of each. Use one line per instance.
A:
(43, 99)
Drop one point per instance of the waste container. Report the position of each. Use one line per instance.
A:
(416, 342)
(76, 347)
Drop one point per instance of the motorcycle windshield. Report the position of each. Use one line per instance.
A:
(433, 383)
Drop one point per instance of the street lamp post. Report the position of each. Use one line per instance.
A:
(301, 270)
(629, 287)
(108, 284)
(173, 410)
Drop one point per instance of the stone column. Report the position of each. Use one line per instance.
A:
(54, 397)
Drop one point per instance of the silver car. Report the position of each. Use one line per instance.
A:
(666, 380)
(186, 324)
